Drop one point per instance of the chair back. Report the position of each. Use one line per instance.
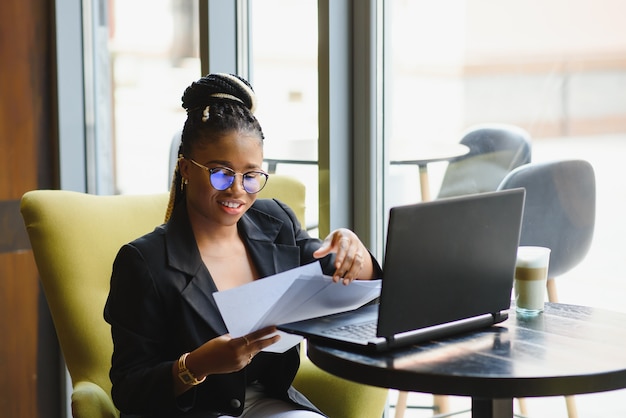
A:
(288, 190)
(75, 237)
(495, 150)
(559, 211)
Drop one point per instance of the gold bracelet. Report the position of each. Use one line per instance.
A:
(185, 375)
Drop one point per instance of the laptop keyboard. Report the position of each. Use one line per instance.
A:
(363, 330)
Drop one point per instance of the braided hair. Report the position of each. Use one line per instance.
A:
(216, 104)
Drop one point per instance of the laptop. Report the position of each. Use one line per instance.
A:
(448, 268)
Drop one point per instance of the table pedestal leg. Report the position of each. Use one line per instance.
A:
(424, 185)
(492, 408)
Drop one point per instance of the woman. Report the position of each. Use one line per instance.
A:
(172, 352)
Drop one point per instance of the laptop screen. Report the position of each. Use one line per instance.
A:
(449, 259)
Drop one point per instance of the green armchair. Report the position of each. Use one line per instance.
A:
(75, 237)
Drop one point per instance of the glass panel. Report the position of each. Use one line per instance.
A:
(152, 65)
(556, 68)
(284, 76)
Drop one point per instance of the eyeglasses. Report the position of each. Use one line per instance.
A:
(223, 177)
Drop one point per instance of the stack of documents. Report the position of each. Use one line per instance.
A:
(294, 295)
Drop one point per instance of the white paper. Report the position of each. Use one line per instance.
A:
(294, 295)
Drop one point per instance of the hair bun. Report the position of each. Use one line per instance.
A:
(218, 86)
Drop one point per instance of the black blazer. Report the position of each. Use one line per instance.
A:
(160, 305)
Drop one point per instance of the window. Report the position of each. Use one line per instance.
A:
(151, 68)
(284, 76)
(555, 68)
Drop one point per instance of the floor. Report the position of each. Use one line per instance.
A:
(599, 405)
(599, 281)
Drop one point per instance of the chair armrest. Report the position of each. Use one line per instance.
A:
(91, 401)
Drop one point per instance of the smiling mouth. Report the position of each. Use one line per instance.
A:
(231, 205)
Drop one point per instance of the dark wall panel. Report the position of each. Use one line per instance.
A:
(29, 354)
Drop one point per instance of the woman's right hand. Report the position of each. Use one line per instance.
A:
(224, 354)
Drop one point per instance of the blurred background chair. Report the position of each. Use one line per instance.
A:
(495, 150)
(75, 238)
(559, 213)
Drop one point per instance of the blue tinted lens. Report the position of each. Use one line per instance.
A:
(222, 179)
(253, 182)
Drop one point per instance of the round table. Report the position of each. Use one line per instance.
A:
(566, 350)
(426, 154)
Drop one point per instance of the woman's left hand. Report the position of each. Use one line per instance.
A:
(352, 256)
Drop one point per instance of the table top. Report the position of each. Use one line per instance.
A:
(429, 153)
(566, 350)
(304, 151)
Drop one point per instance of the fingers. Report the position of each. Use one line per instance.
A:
(349, 265)
(251, 344)
(350, 254)
(326, 247)
(225, 354)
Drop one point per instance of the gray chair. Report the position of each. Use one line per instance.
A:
(495, 150)
(559, 213)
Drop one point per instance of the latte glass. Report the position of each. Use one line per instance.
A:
(531, 274)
